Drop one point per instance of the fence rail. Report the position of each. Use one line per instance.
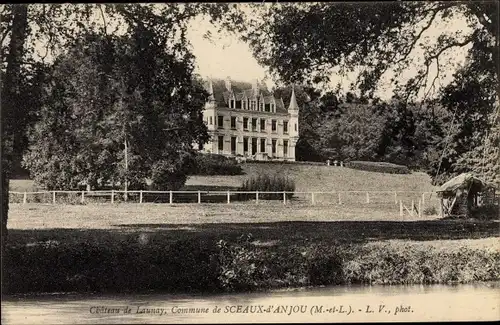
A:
(395, 198)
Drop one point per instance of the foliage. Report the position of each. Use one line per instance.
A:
(32, 33)
(213, 164)
(430, 211)
(306, 43)
(92, 109)
(268, 183)
(145, 262)
(381, 167)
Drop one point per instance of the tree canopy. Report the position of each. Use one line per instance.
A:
(306, 43)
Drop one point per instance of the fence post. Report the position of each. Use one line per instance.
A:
(83, 197)
(53, 197)
(400, 208)
(112, 196)
(367, 197)
(24, 198)
(228, 197)
(140, 196)
(412, 207)
(340, 200)
(396, 197)
(170, 198)
(256, 197)
(199, 197)
(419, 209)
(284, 197)
(312, 198)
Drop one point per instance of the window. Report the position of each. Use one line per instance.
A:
(267, 107)
(238, 104)
(220, 142)
(285, 126)
(245, 144)
(253, 105)
(233, 145)
(273, 125)
(244, 103)
(262, 125)
(262, 145)
(261, 105)
(285, 148)
(272, 108)
(245, 123)
(254, 124)
(220, 121)
(211, 120)
(254, 146)
(231, 103)
(273, 146)
(233, 122)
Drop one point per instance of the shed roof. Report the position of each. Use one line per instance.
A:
(464, 181)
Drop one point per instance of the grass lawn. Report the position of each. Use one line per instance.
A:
(307, 178)
(244, 245)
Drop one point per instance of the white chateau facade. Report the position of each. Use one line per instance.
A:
(246, 120)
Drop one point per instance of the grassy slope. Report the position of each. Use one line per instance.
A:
(307, 178)
(323, 178)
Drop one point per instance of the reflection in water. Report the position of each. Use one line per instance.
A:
(329, 304)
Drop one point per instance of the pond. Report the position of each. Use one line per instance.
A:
(478, 301)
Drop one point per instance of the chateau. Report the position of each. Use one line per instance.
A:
(246, 120)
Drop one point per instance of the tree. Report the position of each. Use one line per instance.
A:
(10, 96)
(108, 91)
(304, 42)
(23, 27)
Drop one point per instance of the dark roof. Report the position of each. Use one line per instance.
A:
(239, 88)
(464, 182)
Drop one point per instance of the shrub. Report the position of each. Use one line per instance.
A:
(267, 183)
(381, 167)
(430, 211)
(213, 164)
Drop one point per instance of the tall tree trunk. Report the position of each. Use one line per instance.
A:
(9, 98)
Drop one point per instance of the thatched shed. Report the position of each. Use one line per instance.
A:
(462, 195)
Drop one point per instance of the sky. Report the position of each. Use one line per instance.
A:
(224, 55)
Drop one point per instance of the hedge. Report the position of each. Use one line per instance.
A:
(381, 167)
(267, 183)
(213, 164)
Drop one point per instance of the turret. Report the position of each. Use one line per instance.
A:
(293, 110)
(293, 102)
(211, 98)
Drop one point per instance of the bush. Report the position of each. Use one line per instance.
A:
(430, 211)
(266, 183)
(381, 167)
(213, 164)
(166, 176)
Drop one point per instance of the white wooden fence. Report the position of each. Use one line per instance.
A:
(408, 201)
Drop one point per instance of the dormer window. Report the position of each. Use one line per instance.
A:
(231, 103)
(261, 105)
(244, 103)
(272, 108)
(253, 105)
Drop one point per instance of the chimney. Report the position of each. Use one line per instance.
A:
(255, 86)
(228, 84)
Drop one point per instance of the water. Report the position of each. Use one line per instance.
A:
(329, 304)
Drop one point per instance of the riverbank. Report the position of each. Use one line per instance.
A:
(250, 257)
